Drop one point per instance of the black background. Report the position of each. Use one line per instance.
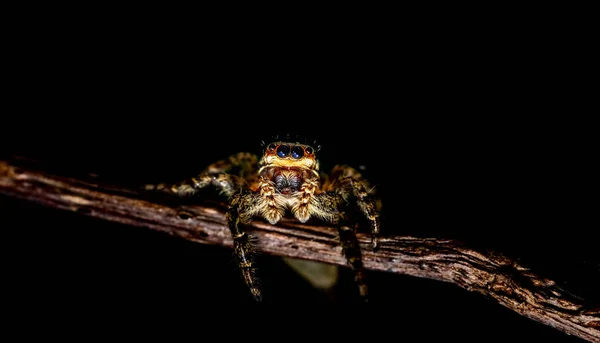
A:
(490, 153)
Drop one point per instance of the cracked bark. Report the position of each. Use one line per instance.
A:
(490, 274)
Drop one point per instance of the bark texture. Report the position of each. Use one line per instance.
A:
(490, 274)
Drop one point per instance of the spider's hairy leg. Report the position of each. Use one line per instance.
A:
(353, 255)
(226, 176)
(224, 183)
(238, 214)
(348, 183)
(331, 207)
(242, 164)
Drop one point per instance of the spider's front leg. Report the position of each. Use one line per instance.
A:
(241, 208)
(230, 178)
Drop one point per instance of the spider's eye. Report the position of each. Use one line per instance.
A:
(283, 151)
(297, 152)
(309, 150)
(271, 147)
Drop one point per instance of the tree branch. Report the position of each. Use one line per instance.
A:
(490, 274)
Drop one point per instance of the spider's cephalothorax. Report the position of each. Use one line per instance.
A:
(286, 179)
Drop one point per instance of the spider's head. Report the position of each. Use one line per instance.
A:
(286, 154)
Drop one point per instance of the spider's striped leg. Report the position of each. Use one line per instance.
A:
(230, 178)
(331, 207)
(353, 255)
(239, 214)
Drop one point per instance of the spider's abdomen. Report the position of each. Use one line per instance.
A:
(287, 181)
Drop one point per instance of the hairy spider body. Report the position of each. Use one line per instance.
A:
(287, 180)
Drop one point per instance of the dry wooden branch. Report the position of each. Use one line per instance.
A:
(493, 275)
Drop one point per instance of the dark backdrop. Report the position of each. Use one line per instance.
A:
(492, 163)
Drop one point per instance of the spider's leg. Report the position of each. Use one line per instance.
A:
(353, 255)
(348, 183)
(331, 207)
(224, 183)
(243, 165)
(231, 178)
(238, 214)
(226, 176)
(243, 206)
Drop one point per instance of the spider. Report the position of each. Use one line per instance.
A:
(286, 181)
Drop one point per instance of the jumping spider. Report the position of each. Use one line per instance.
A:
(287, 180)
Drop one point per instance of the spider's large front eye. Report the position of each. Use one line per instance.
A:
(297, 152)
(283, 151)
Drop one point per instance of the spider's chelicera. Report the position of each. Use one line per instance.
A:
(287, 180)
